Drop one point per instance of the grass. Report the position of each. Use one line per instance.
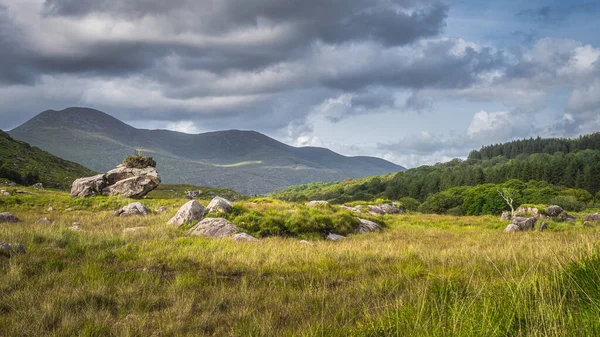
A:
(425, 275)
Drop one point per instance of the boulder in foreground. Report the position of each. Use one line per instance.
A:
(214, 228)
(367, 226)
(191, 211)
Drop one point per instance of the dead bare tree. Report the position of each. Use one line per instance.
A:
(507, 195)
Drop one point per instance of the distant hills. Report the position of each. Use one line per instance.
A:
(28, 165)
(246, 161)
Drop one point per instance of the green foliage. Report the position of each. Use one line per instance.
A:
(409, 203)
(139, 162)
(579, 194)
(569, 203)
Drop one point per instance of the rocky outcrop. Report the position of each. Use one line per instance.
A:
(593, 217)
(367, 226)
(355, 209)
(122, 181)
(505, 216)
(512, 229)
(554, 210)
(8, 218)
(524, 223)
(192, 194)
(376, 210)
(564, 216)
(219, 205)
(38, 186)
(191, 211)
(214, 228)
(136, 208)
(392, 209)
(316, 203)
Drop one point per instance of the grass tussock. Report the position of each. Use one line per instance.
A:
(425, 275)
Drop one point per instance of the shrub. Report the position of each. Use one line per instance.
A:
(579, 194)
(569, 203)
(410, 204)
(456, 211)
(139, 162)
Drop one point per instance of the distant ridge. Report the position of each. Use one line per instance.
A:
(246, 161)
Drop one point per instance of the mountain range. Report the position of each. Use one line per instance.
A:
(246, 161)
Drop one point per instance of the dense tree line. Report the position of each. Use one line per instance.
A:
(516, 148)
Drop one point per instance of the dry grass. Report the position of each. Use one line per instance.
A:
(424, 276)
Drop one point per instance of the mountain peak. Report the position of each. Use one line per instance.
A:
(82, 118)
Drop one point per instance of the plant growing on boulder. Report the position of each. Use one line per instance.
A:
(138, 161)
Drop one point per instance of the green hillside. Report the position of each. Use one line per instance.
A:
(26, 165)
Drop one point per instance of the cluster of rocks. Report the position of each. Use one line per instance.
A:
(193, 194)
(393, 208)
(122, 181)
(520, 223)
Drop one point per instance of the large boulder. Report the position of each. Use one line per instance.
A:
(219, 205)
(367, 226)
(524, 223)
(316, 203)
(7, 217)
(122, 181)
(89, 186)
(136, 208)
(191, 211)
(214, 228)
(554, 210)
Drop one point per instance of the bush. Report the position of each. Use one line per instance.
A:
(409, 203)
(569, 203)
(139, 162)
(579, 194)
(456, 211)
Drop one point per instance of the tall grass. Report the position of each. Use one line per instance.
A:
(425, 275)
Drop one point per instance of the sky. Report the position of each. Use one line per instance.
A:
(414, 82)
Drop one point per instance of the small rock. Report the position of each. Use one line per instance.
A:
(162, 210)
(512, 229)
(6, 193)
(68, 209)
(38, 186)
(50, 209)
(367, 226)
(391, 209)
(75, 228)
(44, 221)
(21, 192)
(133, 229)
(219, 205)
(214, 228)
(136, 208)
(566, 217)
(593, 217)
(191, 211)
(355, 209)
(554, 210)
(7, 217)
(335, 237)
(543, 226)
(304, 242)
(587, 224)
(316, 203)
(505, 216)
(193, 194)
(244, 237)
(10, 249)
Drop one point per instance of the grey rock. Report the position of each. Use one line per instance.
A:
(355, 209)
(122, 181)
(505, 216)
(566, 217)
(593, 217)
(316, 203)
(38, 186)
(219, 205)
(376, 210)
(244, 237)
(391, 209)
(193, 194)
(214, 228)
(88, 187)
(512, 229)
(162, 210)
(367, 226)
(543, 226)
(191, 211)
(44, 221)
(8, 217)
(524, 223)
(554, 210)
(136, 208)
(5, 193)
(50, 209)
(10, 249)
(335, 237)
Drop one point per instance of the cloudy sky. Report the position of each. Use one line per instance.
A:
(415, 82)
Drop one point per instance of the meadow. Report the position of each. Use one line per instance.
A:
(424, 275)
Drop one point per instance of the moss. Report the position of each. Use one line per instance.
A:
(139, 162)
